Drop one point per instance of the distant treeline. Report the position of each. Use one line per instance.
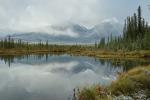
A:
(10, 43)
(136, 35)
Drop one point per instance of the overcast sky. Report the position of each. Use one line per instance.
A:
(29, 14)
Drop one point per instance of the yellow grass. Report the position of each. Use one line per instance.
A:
(127, 84)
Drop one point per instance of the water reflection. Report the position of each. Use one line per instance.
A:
(44, 58)
(53, 77)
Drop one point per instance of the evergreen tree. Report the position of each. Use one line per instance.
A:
(102, 43)
(135, 34)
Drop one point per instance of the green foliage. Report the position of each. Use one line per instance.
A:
(146, 40)
(136, 35)
(102, 43)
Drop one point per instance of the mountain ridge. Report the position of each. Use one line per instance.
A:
(73, 33)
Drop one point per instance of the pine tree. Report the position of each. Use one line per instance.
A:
(146, 40)
(102, 43)
(135, 25)
(47, 44)
(135, 34)
(139, 22)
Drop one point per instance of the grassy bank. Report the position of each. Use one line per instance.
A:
(79, 51)
(133, 85)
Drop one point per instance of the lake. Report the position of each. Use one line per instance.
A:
(53, 77)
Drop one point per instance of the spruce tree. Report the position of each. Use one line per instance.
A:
(139, 22)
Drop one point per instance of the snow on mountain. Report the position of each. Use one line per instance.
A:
(72, 33)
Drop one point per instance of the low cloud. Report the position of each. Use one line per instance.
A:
(30, 14)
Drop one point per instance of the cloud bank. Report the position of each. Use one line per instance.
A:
(30, 14)
(25, 15)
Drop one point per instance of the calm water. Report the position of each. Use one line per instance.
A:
(49, 77)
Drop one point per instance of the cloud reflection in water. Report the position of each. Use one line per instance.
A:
(54, 80)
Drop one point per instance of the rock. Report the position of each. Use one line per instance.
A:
(147, 72)
(122, 97)
(140, 95)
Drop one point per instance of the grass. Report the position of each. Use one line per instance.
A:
(95, 92)
(127, 84)
(83, 51)
(132, 82)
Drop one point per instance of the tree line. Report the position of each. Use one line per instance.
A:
(10, 43)
(136, 35)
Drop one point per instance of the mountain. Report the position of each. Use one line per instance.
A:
(72, 33)
(108, 28)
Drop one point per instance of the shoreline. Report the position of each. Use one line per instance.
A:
(141, 54)
(131, 85)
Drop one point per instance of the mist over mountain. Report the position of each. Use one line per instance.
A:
(70, 33)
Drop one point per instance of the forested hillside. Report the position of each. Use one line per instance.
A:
(136, 35)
